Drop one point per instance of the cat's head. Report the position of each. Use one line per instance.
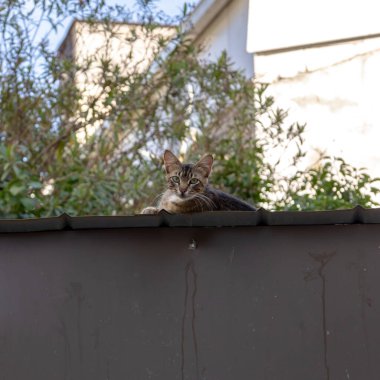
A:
(187, 180)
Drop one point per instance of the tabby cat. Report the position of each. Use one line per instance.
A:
(188, 190)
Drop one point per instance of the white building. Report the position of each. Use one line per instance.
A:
(129, 46)
(220, 25)
(322, 59)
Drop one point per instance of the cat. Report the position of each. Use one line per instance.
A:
(188, 190)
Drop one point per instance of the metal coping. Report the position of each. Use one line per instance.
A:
(261, 217)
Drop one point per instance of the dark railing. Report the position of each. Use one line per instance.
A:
(217, 296)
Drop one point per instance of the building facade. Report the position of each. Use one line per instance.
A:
(320, 59)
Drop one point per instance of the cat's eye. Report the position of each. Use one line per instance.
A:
(194, 181)
(175, 179)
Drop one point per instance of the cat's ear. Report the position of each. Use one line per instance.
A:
(205, 164)
(171, 161)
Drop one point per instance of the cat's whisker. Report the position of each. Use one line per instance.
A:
(204, 205)
(200, 203)
(206, 200)
(197, 204)
(158, 196)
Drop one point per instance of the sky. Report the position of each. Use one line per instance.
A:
(170, 7)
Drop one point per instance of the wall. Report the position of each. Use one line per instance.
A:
(245, 302)
(321, 59)
(276, 24)
(334, 89)
(131, 47)
(228, 31)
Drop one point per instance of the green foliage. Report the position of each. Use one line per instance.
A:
(332, 184)
(66, 149)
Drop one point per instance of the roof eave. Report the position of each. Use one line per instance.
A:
(203, 15)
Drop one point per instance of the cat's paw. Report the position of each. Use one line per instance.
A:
(150, 210)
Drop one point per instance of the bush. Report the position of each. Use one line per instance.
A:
(63, 150)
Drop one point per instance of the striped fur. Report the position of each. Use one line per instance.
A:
(188, 190)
